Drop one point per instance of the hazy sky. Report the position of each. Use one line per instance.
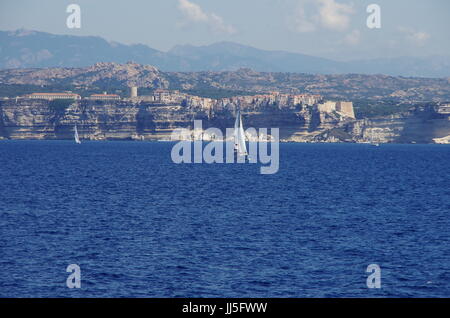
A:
(329, 28)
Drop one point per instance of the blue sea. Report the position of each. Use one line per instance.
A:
(139, 225)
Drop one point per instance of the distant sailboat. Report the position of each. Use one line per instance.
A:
(375, 144)
(239, 136)
(77, 138)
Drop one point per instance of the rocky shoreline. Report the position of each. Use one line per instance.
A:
(34, 119)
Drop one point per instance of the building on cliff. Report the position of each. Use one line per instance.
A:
(52, 96)
(104, 96)
(443, 109)
(327, 107)
(344, 108)
(168, 96)
(195, 102)
(133, 92)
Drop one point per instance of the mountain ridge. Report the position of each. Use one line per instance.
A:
(35, 49)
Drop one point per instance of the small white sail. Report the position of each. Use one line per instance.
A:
(236, 131)
(242, 145)
(77, 138)
(376, 144)
(239, 136)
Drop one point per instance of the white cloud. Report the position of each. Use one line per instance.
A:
(300, 21)
(194, 13)
(218, 23)
(329, 14)
(353, 37)
(335, 15)
(418, 38)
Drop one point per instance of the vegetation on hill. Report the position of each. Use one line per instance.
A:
(370, 109)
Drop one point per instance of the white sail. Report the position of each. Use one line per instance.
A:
(376, 144)
(77, 138)
(236, 131)
(242, 145)
(239, 136)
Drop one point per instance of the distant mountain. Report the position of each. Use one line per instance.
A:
(25, 49)
(232, 56)
(28, 49)
(432, 66)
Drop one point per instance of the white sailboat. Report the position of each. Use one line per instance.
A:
(77, 138)
(375, 144)
(239, 136)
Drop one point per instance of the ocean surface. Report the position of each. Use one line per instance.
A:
(139, 225)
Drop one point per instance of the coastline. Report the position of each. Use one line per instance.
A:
(154, 140)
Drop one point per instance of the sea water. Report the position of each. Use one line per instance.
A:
(139, 225)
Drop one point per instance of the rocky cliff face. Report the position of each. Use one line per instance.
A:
(36, 119)
(421, 125)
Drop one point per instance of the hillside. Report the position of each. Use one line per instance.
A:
(113, 76)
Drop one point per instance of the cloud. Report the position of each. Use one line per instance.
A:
(218, 23)
(418, 38)
(194, 13)
(335, 15)
(328, 14)
(353, 37)
(301, 23)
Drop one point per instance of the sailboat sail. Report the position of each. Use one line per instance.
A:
(77, 138)
(236, 131)
(242, 145)
(371, 140)
(239, 136)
